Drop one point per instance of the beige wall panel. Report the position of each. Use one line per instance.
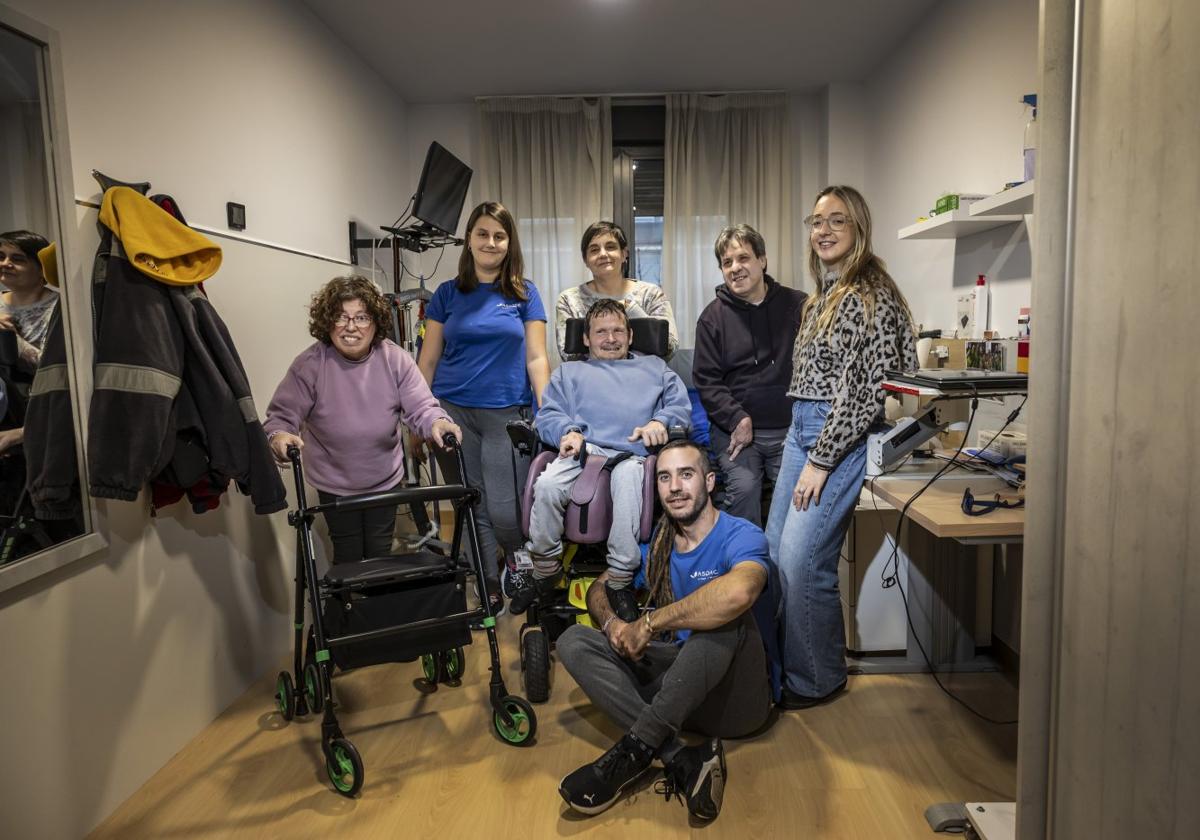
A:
(1127, 737)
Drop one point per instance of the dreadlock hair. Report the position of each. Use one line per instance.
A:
(662, 541)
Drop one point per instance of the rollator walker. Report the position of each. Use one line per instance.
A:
(389, 609)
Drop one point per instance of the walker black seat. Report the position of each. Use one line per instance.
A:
(381, 571)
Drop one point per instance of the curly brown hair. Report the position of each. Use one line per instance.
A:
(326, 306)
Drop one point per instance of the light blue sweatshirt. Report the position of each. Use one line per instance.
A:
(607, 400)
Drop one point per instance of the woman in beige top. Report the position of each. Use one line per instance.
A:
(605, 252)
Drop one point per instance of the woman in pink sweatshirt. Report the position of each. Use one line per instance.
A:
(342, 402)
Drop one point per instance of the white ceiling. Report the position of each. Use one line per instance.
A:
(454, 50)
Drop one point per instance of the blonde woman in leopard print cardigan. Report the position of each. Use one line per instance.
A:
(855, 327)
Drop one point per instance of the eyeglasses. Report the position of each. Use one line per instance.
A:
(973, 507)
(361, 320)
(836, 222)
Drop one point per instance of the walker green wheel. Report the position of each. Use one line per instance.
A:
(456, 664)
(429, 666)
(285, 695)
(524, 721)
(344, 766)
(314, 693)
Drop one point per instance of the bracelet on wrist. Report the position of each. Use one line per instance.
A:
(646, 619)
(607, 621)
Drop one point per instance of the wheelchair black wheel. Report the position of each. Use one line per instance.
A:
(524, 721)
(285, 695)
(535, 657)
(430, 667)
(344, 767)
(314, 690)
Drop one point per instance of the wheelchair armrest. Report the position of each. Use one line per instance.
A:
(524, 438)
(673, 433)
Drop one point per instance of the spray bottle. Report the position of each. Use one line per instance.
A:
(981, 308)
(1031, 136)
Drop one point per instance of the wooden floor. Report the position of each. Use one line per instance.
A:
(865, 766)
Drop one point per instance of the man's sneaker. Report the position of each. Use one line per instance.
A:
(697, 776)
(623, 602)
(534, 589)
(595, 787)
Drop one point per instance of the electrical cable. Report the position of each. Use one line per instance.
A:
(893, 579)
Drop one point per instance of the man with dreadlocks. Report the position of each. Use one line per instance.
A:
(715, 590)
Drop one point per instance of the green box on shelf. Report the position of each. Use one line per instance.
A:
(952, 201)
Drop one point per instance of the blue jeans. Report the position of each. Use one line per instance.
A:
(805, 545)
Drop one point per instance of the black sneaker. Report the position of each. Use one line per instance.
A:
(595, 787)
(697, 776)
(791, 701)
(623, 602)
(534, 589)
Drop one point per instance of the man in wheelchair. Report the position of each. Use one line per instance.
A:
(612, 405)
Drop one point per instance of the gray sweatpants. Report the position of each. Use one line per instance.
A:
(744, 474)
(551, 493)
(488, 455)
(715, 684)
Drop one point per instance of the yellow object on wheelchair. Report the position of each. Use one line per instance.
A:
(577, 596)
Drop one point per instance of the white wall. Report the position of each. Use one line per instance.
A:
(116, 661)
(455, 126)
(943, 114)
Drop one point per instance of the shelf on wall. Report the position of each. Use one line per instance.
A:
(954, 224)
(1017, 200)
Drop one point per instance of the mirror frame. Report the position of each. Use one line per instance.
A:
(76, 294)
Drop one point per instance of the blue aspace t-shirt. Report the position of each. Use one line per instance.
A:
(733, 540)
(483, 352)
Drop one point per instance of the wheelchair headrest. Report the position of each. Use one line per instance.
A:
(649, 336)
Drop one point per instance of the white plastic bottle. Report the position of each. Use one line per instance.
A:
(981, 307)
(1031, 136)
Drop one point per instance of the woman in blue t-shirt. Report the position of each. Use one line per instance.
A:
(484, 346)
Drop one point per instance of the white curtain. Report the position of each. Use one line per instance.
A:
(549, 161)
(727, 161)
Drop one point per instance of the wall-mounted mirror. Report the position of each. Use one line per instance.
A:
(41, 529)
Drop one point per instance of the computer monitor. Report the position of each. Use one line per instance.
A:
(441, 190)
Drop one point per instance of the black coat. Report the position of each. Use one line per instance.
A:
(153, 340)
(743, 359)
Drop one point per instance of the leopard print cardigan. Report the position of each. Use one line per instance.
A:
(845, 368)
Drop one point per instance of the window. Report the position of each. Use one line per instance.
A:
(638, 129)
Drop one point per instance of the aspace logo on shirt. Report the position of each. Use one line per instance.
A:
(704, 574)
(504, 305)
